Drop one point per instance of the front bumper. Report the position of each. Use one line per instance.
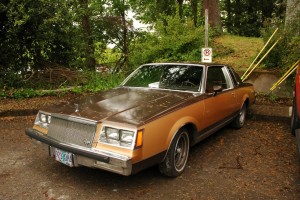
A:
(82, 156)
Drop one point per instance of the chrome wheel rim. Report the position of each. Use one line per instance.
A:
(242, 115)
(181, 151)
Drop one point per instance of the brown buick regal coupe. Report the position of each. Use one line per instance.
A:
(152, 118)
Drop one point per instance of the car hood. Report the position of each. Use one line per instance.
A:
(124, 105)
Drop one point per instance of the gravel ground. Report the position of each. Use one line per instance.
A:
(259, 161)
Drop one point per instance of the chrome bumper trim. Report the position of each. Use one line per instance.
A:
(89, 157)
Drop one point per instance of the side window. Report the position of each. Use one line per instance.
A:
(215, 76)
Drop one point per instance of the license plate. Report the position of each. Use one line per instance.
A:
(64, 157)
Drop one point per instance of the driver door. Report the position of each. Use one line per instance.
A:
(219, 105)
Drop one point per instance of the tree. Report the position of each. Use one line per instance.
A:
(292, 8)
(214, 16)
(194, 11)
(178, 41)
(34, 35)
(90, 61)
(149, 11)
(180, 7)
(247, 17)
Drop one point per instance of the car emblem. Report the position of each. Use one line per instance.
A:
(86, 142)
(76, 107)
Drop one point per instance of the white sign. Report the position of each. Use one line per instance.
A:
(206, 55)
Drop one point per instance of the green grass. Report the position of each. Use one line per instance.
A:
(242, 50)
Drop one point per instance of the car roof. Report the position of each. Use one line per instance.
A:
(186, 63)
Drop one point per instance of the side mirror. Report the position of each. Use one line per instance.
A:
(217, 89)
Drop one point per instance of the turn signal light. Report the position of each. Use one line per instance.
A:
(139, 139)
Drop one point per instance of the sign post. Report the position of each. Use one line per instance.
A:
(206, 28)
(206, 53)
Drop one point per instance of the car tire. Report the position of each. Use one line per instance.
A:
(177, 156)
(239, 121)
(295, 122)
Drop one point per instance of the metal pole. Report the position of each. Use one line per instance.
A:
(206, 28)
(261, 59)
(259, 53)
(284, 78)
(287, 74)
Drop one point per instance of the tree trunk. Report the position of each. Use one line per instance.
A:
(214, 15)
(267, 9)
(194, 6)
(292, 8)
(89, 45)
(123, 61)
(125, 37)
(180, 7)
(228, 22)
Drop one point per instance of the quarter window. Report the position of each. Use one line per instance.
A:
(235, 77)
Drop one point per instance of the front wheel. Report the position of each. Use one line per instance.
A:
(176, 158)
(239, 120)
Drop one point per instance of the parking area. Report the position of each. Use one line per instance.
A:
(259, 161)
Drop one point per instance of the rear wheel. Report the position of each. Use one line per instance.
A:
(239, 120)
(175, 161)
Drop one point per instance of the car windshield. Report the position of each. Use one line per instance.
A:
(173, 77)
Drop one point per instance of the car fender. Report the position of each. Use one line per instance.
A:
(245, 98)
(177, 126)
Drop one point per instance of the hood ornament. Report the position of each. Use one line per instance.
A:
(76, 107)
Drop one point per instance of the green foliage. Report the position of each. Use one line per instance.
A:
(36, 35)
(24, 93)
(292, 37)
(287, 51)
(273, 97)
(274, 58)
(177, 41)
(222, 51)
(98, 82)
(247, 17)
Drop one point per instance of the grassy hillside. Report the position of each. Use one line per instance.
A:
(236, 51)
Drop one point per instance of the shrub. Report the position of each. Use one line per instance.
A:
(288, 50)
(173, 40)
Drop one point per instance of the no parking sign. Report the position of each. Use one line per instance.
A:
(206, 55)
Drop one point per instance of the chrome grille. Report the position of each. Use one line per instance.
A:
(72, 130)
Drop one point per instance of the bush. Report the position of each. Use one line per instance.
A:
(288, 49)
(173, 40)
(95, 82)
(98, 82)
